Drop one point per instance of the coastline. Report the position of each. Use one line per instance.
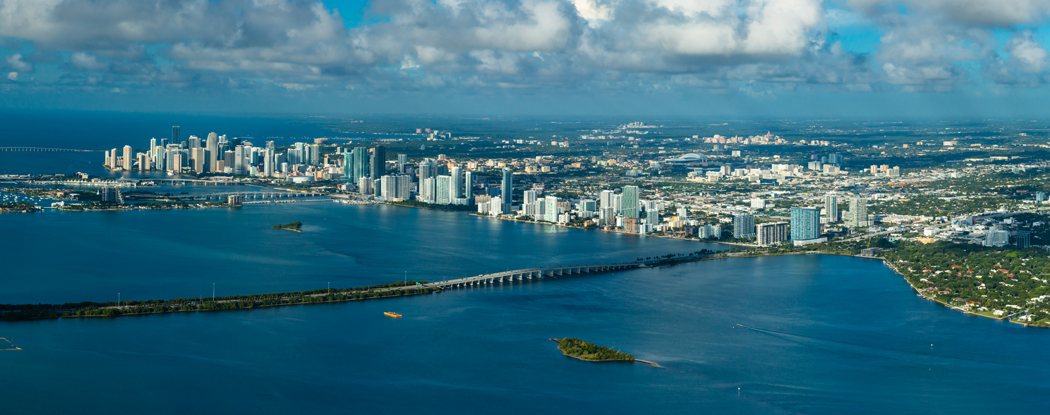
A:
(934, 300)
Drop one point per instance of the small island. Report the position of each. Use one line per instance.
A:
(294, 226)
(590, 352)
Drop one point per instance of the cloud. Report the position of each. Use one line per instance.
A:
(998, 13)
(18, 63)
(12, 76)
(753, 46)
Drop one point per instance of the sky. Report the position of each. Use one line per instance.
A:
(711, 58)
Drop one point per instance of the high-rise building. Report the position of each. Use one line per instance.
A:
(605, 199)
(831, 208)
(630, 202)
(805, 223)
(444, 192)
(388, 188)
(228, 160)
(111, 195)
(427, 170)
(176, 162)
(996, 238)
(743, 226)
(528, 197)
(588, 205)
(197, 158)
(111, 159)
(857, 217)
(506, 190)
(1024, 239)
(378, 162)
(771, 233)
(402, 161)
(360, 163)
(315, 154)
(269, 160)
(550, 209)
(212, 147)
(364, 186)
(428, 190)
(457, 182)
(175, 136)
(238, 160)
(128, 158)
(468, 187)
(404, 187)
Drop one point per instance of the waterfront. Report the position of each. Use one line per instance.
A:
(831, 334)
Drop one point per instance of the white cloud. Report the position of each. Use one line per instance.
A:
(18, 63)
(12, 76)
(614, 44)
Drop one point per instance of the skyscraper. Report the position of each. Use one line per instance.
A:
(388, 188)
(270, 160)
(605, 199)
(427, 170)
(197, 157)
(551, 209)
(128, 158)
(238, 160)
(175, 137)
(744, 226)
(506, 189)
(348, 166)
(360, 163)
(212, 147)
(378, 162)
(457, 182)
(831, 208)
(444, 185)
(805, 223)
(468, 187)
(630, 202)
(402, 160)
(857, 216)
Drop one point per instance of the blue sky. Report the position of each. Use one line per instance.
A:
(738, 58)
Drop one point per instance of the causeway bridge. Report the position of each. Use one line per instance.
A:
(531, 273)
(246, 195)
(43, 150)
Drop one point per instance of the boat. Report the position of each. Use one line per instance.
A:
(392, 314)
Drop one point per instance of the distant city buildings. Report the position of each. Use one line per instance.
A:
(805, 223)
(857, 216)
(743, 226)
(771, 233)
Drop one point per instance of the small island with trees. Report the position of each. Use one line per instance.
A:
(579, 349)
(294, 226)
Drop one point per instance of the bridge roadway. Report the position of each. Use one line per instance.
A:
(247, 195)
(530, 273)
(44, 149)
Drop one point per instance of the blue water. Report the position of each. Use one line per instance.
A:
(800, 334)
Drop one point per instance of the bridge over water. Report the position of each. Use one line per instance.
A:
(247, 196)
(531, 273)
(44, 150)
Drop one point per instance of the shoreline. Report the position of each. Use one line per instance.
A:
(935, 301)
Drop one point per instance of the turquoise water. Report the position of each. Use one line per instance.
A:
(801, 334)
